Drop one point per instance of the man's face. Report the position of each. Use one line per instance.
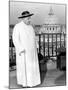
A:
(27, 20)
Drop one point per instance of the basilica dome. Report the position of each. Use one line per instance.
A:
(51, 18)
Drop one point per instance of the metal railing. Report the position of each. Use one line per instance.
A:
(50, 42)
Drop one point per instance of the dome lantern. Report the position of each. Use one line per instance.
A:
(51, 11)
(51, 18)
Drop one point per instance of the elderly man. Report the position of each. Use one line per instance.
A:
(27, 64)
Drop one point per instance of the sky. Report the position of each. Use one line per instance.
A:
(40, 11)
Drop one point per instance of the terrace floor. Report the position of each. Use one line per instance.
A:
(51, 77)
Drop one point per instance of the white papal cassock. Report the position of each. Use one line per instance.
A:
(27, 64)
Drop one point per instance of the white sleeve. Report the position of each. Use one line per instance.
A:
(16, 40)
(37, 44)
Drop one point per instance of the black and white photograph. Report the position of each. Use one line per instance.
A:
(37, 44)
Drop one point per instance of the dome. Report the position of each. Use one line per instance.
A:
(51, 18)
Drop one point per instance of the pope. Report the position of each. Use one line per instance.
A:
(27, 65)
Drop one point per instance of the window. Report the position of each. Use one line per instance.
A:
(53, 28)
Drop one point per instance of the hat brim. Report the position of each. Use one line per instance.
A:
(26, 16)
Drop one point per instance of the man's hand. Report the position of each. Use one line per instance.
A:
(22, 52)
